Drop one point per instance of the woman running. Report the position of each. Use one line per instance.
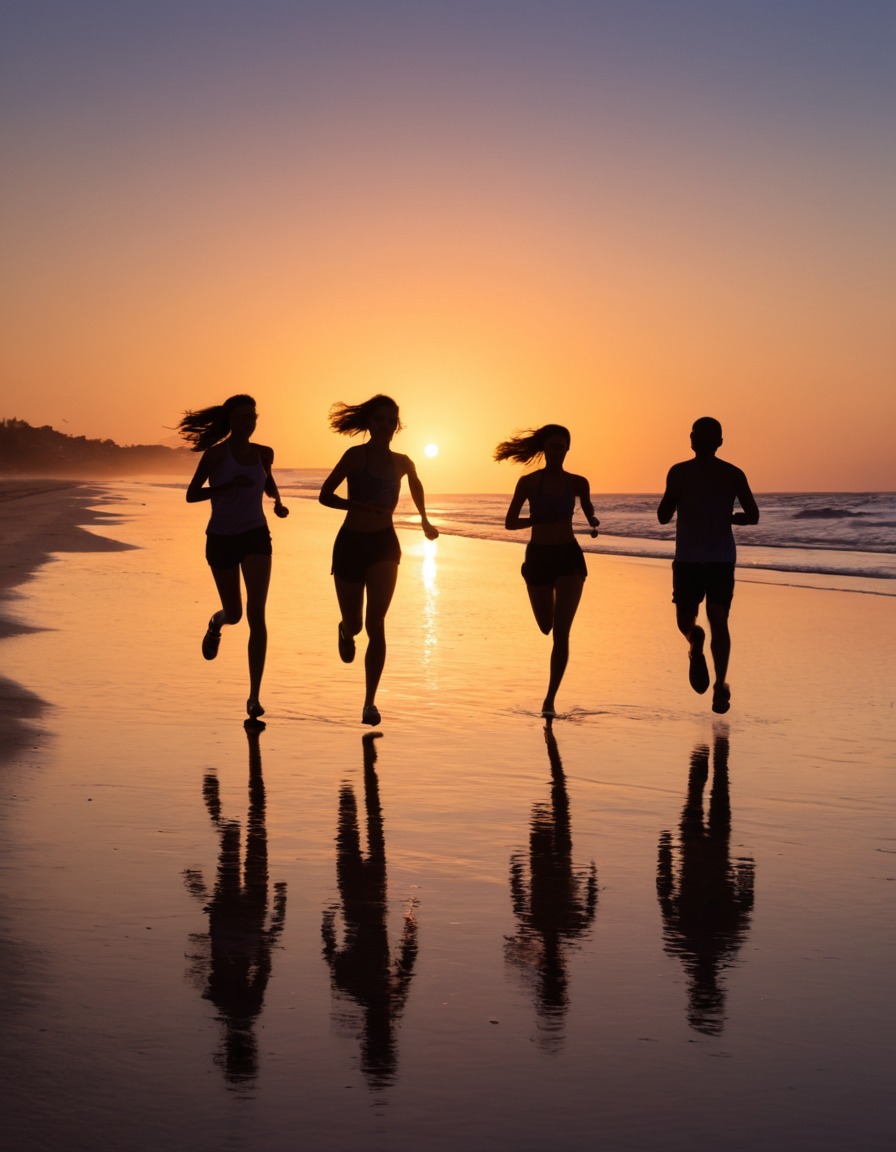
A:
(554, 568)
(238, 473)
(366, 553)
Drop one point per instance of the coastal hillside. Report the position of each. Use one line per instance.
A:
(29, 451)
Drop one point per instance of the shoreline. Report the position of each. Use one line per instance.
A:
(39, 517)
(831, 566)
(628, 601)
(544, 970)
(34, 527)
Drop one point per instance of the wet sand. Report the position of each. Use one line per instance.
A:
(643, 927)
(39, 518)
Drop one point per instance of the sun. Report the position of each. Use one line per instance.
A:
(431, 450)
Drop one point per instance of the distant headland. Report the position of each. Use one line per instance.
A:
(29, 451)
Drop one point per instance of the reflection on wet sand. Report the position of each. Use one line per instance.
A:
(364, 975)
(231, 963)
(706, 900)
(554, 905)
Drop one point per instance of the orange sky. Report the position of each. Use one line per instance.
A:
(617, 217)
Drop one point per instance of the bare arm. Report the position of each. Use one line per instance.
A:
(669, 502)
(416, 489)
(513, 520)
(339, 474)
(196, 489)
(270, 485)
(328, 495)
(583, 491)
(750, 514)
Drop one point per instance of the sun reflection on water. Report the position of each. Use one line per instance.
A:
(429, 574)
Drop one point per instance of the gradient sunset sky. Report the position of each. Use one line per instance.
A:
(615, 214)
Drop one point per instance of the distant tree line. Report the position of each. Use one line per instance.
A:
(25, 450)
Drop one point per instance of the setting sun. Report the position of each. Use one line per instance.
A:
(590, 268)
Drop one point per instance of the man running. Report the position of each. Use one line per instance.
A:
(702, 492)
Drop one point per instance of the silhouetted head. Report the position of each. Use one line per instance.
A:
(706, 435)
(551, 441)
(241, 400)
(378, 414)
(241, 414)
(208, 426)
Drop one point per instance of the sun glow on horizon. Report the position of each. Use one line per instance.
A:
(529, 272)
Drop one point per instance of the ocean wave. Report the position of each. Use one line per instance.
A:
(827, 514)
(849, 535)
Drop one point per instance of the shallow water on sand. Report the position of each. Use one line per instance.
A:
(641, 928)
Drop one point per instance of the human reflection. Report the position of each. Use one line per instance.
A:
(363, 971)
(554, 903)
(232, 961)
(705, 898)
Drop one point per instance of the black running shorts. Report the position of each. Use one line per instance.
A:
(691, 582)
(546, 563)
(356, 552)
(224, 552)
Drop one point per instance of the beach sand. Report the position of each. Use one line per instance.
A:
(644, 927)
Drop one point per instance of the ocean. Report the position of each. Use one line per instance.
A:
(842, 540)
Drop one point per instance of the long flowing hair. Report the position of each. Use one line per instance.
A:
(208, 426)
(350, 419)
(526, 446)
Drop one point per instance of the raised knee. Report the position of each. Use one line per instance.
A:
(233, 616)
(545, 626)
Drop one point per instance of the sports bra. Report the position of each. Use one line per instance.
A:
(546, 509)
(372, 489)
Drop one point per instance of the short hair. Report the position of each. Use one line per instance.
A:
(708, 428)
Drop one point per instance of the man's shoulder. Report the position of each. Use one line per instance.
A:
(730, 469)
(682, 468)
(699, 478)
(713, 465)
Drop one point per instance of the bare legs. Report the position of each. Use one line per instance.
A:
(256, 573)
(380, 587)
(686, 619)
(257, 578)
(554, 608)
(720, 645)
